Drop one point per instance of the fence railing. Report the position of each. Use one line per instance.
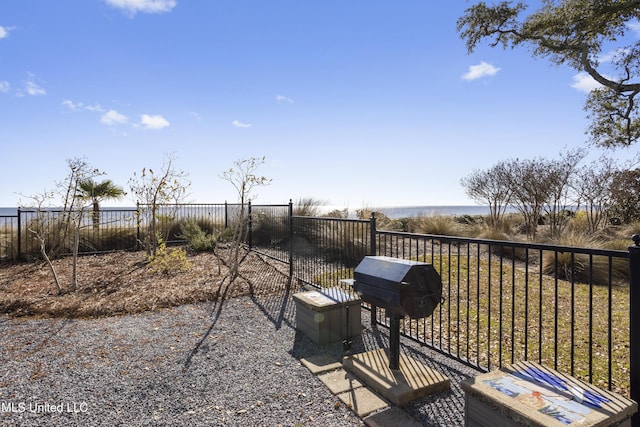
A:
(566, 307)
(573, 309)
(111, 228)
(561, 306)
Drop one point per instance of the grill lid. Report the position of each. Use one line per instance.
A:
(406, 288)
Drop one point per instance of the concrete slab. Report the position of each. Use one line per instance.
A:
(391, 417)
(412, 381)
(362, 401)
(339, 381)
(320, 363)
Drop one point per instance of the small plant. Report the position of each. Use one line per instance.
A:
(197, 239)
(226, 235)
(579, 267)
(337, 213)
(308, 206)
(631, 229)
(167, 261)
(442, 225)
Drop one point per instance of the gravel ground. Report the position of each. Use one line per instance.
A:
(194, 365)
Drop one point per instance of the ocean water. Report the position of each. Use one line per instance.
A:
(416, 211)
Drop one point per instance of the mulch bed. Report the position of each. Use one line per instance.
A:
(122, 283)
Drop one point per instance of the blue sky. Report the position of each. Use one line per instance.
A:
(357, 103)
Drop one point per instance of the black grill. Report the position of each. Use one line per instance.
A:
(405, 288)
(402, 287)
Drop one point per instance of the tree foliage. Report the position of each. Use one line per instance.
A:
(625, 194)
(96, 192)
(574, 33)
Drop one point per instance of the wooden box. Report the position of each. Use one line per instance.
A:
(530, 394)
(329, 315)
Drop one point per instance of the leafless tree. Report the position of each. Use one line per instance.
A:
(490, 187)
(557, 179)
(244, 181)
(41, 229)
(52, 232)
(527, 178)
(592, 185)
(153, 190)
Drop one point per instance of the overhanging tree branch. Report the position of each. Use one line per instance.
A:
(572, 32)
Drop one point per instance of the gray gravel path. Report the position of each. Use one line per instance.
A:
(195, 365)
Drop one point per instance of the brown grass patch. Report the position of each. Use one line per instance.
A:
(121, 283)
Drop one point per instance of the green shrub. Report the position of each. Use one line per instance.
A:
(226, 235)
(267, 229)
(197, 239)
(168, 260)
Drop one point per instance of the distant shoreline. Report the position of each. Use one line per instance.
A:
(390, 211)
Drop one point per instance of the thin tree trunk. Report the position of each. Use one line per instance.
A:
(74, 271)
(43, 251)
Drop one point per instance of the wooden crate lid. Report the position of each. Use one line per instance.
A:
(548, 398)
(326, 299)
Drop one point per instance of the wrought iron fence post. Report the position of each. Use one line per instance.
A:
(634, 322)
(138, 219)
(19, 235)
(372, 240)
(249, 223)
(373, 248)
(226, 215)
(290, 240)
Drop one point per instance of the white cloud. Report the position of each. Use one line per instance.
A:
(4, 32)
(613, 55)
(112, 117)
(131, 7)
(4, 86)
(77, 106)
(239, 124)
(31, 87)
(153, 122)
(72, 105)
(95, 108)
(283, 100)
(584, 82)
(483, 69)
(635, 26)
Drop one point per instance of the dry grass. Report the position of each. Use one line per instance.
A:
(121, 283)
(493, 311)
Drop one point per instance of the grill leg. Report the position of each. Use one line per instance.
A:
(346, 344)
(394, 342)
(374, 316)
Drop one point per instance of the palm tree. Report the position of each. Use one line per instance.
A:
(97, 192)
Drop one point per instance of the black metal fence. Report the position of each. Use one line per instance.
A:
(113, 228)
(569, 308)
